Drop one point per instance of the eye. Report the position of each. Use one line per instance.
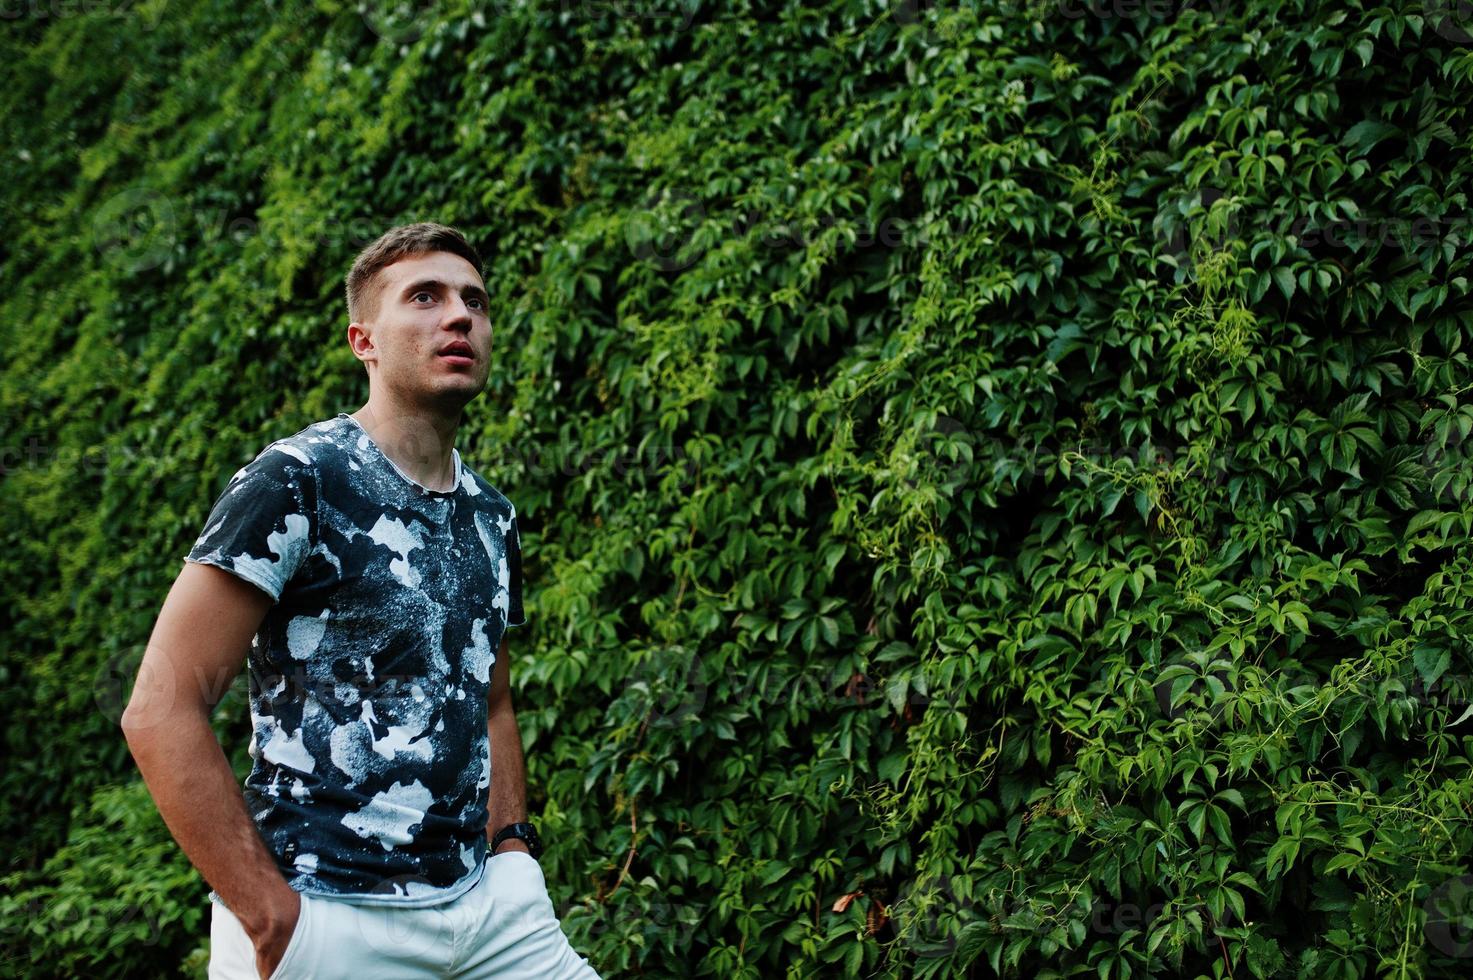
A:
(478, 304)
(422, 292)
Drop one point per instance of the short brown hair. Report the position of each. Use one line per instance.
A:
(393, 245)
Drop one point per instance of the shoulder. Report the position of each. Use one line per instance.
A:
(485, 494)
(299, 456)
(321, 445)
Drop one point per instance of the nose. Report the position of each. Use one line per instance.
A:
(457, 312)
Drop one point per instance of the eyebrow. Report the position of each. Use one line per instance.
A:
(436, 286)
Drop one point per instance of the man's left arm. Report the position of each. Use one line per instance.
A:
(508, 799)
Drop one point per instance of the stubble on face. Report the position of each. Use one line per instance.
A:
(425, 303)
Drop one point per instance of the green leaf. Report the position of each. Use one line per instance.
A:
(1431, 662)
(1284, 278)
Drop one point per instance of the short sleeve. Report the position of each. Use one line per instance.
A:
(264, 523)
(514, 616)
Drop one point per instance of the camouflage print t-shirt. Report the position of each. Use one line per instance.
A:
(368, 677)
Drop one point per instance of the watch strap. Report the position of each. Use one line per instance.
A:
(523, 832)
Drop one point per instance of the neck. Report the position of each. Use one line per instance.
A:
(418, 441)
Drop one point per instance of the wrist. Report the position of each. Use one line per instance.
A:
(512, 844)
(522, 833)
(269, 917)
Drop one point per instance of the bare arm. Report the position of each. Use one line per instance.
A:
(508, 800)
(198, 645)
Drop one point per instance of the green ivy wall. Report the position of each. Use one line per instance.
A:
(994, 475)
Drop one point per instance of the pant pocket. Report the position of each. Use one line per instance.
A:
(517, 876)
(295, 952)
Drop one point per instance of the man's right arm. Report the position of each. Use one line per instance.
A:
(198, 645)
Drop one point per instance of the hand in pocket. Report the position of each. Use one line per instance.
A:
(271, 946)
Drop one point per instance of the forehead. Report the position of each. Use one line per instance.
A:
(445, 267)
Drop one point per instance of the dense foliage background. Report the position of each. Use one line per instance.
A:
(994, 476)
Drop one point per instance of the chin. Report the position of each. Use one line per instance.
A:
(449, 400)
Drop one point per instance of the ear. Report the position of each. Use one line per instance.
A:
(360, 341)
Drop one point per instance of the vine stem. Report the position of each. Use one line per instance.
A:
(1406, 935)
(1226, 961)
(633, 841)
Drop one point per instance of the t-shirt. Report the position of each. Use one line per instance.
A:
(369, 675)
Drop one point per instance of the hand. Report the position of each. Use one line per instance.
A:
(274, 934)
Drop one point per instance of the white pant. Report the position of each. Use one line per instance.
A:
(503, 928)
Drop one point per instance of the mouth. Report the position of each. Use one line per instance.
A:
(458, 352)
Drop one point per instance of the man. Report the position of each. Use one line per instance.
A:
(382, 830)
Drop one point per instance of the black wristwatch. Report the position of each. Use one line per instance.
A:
(523, 832)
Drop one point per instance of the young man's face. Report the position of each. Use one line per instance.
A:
(426, 304)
